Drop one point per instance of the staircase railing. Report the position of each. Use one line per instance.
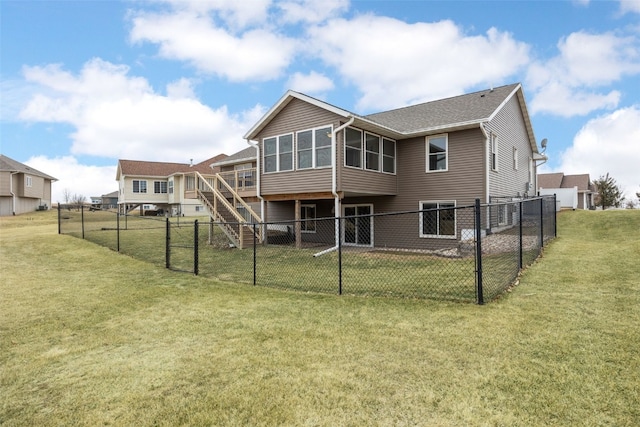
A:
(220, 202)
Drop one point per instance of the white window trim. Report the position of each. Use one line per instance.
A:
(446, 161)
(293, 153)
(382, 156)
(493, 152)
(361, 167)
(439, 236)
(166, 187)
(303, 222)
(139, 181)
(371, 224)
(503, 214)
(363, 152)
(379, 165)
(313, 147)
(29, 181)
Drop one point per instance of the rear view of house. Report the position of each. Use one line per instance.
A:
(316, 160)
(22, 188)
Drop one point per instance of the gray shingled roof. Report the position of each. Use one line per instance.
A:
(241, 156)
(550, 180)
(560, 180)
(472, 107)
(7, 164)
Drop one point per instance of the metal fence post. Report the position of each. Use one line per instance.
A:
(59, 222)
(339, 256)
(167, 251)
(541, 222)
(118, 231)
(478, 220)
(82, 219)
(195, 247)
(520, 233)
(255, 244)
(555, 216)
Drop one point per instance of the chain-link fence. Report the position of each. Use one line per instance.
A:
(433, 253)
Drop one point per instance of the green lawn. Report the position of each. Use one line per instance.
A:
(91, 337)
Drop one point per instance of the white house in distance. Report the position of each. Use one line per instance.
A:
(160, 186)
(572, 191)
(22, 188)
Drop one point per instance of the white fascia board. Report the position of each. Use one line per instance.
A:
(284, 100)
(525, 113)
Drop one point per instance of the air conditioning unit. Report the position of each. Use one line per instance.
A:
(528, 186)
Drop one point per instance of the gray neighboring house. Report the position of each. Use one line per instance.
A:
(572, 191)
(316, 160)
(23, 188)
(106, 201)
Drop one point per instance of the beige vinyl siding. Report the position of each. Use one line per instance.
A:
(5, 186)
(462, 182)
(149, 196)
(296, 116)
(508, 125)
(6, 205)
(367, 182)
(36, 190)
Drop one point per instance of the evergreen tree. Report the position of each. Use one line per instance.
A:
(609, 193)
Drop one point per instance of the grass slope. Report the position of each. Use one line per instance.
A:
(92, 337)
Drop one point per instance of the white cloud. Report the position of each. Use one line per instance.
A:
(393, 63)
(632, 6)
(608, 144)
(562, 101)
(311, 11)
(119, 116)
(182, 88)
(571, 81)
(255, 55)
(311, 84)
(78, 179)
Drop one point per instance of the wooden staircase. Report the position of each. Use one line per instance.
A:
(221, 201)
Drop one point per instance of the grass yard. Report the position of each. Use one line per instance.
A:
(91, 337)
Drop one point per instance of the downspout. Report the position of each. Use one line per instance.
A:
(487, 166)
(13, 196)
(487, 150)
(334, 184)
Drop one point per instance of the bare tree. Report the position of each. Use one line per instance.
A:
(78, 200)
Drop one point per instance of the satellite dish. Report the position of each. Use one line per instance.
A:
(543, 143)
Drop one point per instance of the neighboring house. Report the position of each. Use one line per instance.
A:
(572, 191)
(109, 200)
(161, 187)
(317, 160)
(22, 188)
(106, 201)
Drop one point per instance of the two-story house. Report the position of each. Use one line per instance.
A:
(161, 186)
(22, 188)
(316, 160)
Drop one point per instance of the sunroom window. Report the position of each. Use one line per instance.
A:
(353, 148)
(278, 153)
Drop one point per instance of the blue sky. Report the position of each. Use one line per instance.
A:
(85, 83)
